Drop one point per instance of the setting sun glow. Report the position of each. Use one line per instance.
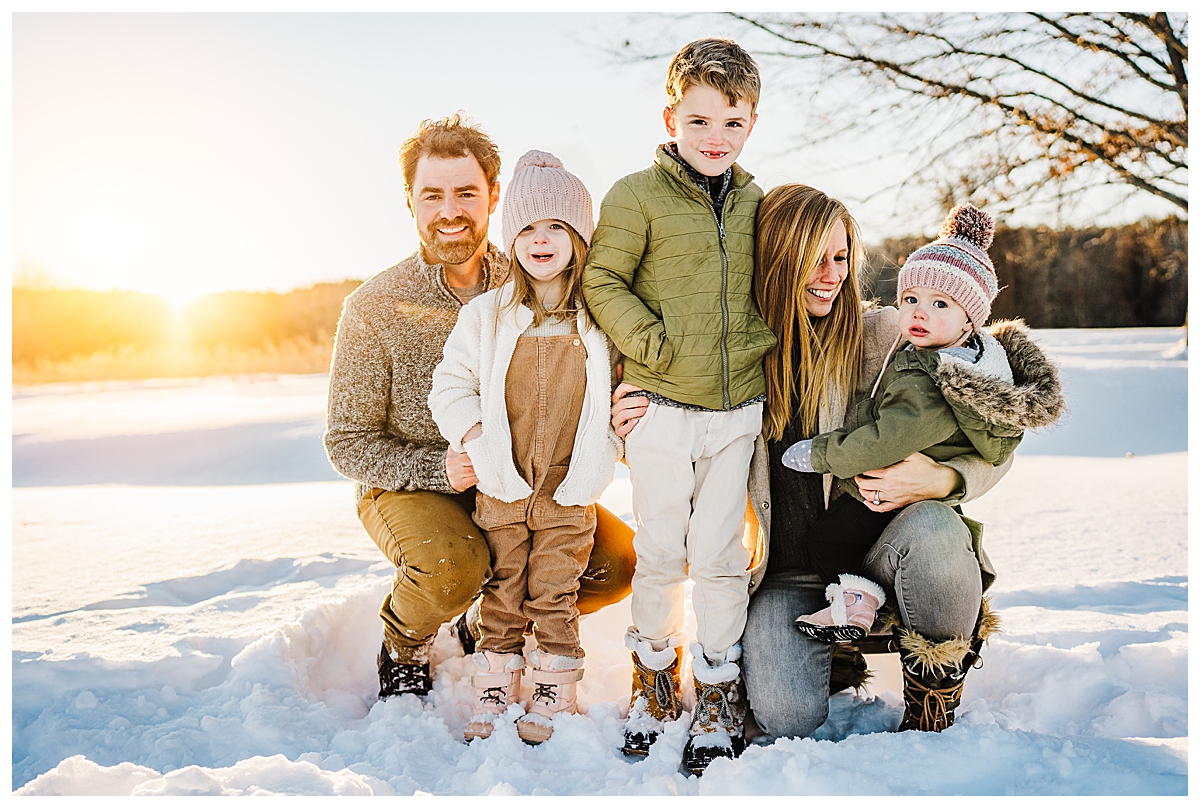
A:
(113, 241)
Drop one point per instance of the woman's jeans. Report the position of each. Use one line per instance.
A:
(925, 564)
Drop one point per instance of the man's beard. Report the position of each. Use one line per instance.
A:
(459, 250)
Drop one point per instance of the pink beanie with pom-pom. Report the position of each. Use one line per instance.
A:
(957, 264)
(542, 189)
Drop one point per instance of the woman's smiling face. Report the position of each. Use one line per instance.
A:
(826, 281)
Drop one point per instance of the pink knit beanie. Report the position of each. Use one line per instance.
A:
(542, 189)
(957, 264)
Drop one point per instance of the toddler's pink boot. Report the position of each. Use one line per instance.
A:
(554, 682)
(497, 685)
(853, 601)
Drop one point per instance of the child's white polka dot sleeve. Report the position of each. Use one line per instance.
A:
(798, 456)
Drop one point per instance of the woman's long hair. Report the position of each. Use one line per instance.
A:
(813, 354)
(571, 303)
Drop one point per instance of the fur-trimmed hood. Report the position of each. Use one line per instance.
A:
(1034, 398)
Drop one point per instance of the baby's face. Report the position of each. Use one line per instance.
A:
(931, 319)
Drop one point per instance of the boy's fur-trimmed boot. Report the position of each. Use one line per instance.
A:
(657, 693)
(718, 722)
(934, 673)
(853, 602)
(554, 683)
(398, 678)
(497, 685)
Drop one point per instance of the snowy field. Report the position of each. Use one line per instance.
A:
(194, 612)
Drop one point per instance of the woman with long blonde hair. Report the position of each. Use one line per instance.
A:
(817, 358)
(831, 348)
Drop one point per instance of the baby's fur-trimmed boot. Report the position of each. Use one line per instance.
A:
(718, 721)
(496, 685)
(555, 679)
(853, 602)
(657, 693)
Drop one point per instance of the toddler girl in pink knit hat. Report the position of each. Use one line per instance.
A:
(947, 388)
(523, 389)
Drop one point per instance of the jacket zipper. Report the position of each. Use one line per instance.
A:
(725, 402)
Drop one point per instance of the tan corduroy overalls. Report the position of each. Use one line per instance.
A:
(539, 548)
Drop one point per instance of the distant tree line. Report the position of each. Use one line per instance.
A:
(52, 325)
(1135, 275)
(257, 319)
(56, 324)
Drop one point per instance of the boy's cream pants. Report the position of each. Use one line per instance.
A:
(689, 473)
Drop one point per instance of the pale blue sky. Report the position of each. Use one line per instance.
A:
(186, 153)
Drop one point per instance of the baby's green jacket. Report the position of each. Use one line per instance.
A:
(930, 403)
(674, 289)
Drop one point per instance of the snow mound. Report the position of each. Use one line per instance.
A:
(233, 652)
(266, 684)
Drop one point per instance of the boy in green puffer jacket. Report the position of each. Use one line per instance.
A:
(669, 279)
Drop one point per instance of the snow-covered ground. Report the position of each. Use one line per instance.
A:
(194, 612)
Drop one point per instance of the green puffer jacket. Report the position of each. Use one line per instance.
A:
(673, 289)
(930, 402)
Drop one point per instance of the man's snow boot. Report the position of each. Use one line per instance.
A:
(397, 678)
(496, 685)
(718, 722)
(657, 693)
(466, 628)
(554, 683)
(853, 601)
(934, 672)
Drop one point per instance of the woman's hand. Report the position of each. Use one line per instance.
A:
(459, 470)
(626, 412)
(914, 479)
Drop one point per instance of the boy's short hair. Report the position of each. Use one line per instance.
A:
(452, 136)
(718, 63)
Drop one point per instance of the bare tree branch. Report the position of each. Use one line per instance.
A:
(1087, 98)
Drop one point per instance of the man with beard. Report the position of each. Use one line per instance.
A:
(414, 495)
